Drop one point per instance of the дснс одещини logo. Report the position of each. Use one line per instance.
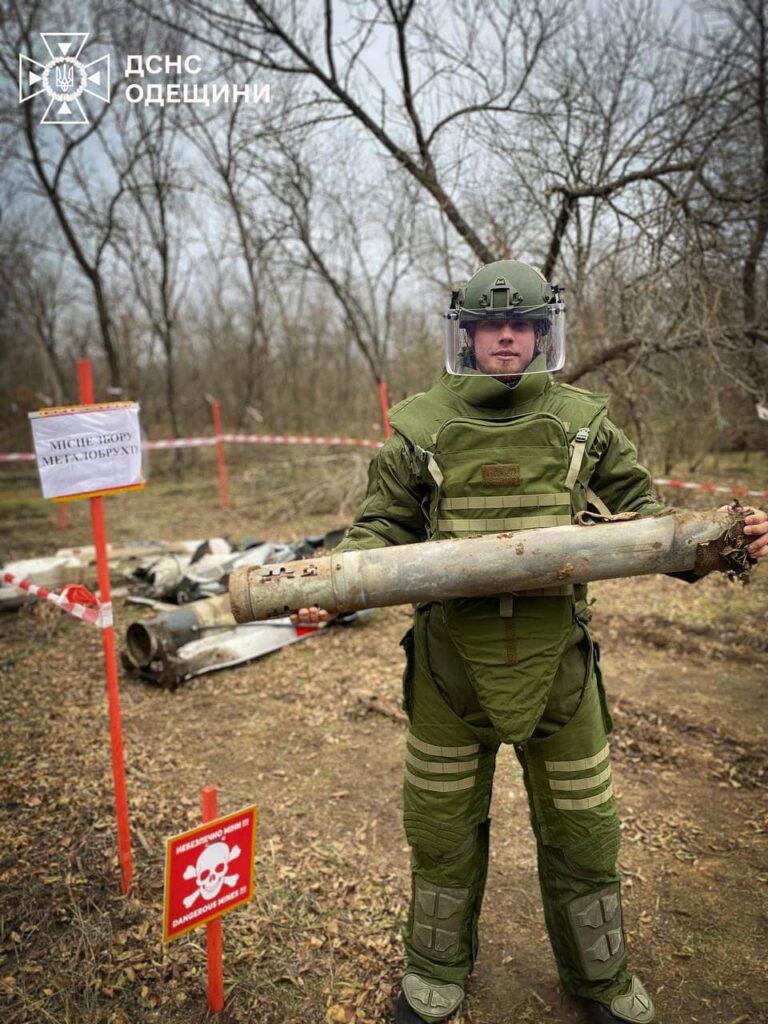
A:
(64, 78)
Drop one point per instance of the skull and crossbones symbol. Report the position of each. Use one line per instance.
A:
(210, 872)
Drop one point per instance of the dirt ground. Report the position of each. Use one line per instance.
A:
(314, 735)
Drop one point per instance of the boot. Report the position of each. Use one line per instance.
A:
(404, 1014)
(634, 1007)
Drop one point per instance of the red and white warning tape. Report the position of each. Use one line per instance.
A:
(209, 442)
(17, 456)
(97, 614)
(690, 485)
(181, 442)
(360, 442)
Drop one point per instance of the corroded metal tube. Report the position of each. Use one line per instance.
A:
(494, 564)
(147, 640)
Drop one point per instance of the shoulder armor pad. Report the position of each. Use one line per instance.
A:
(582, 392)
(395, 409)
(419, 416)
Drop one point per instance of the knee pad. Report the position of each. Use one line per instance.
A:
(433, 840)
(596, 853)
(445, 852)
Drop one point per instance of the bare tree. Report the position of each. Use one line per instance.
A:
(364, 274)
(497, 49)
(55, 165)
(735, 181)
(152, 244)
(406, 142)
(226, 152)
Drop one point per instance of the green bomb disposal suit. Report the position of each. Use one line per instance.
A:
(469, 456)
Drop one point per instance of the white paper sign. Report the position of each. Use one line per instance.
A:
(88, 448)
(762, 411)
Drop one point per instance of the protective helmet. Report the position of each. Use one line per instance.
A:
(515, 314)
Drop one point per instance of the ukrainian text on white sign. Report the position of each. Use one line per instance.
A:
(88, 448)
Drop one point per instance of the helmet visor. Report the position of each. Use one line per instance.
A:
(503, 343)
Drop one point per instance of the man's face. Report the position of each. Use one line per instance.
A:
(503, 348)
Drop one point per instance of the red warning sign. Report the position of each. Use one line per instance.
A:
(208, 871)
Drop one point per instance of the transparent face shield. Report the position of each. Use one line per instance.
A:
(505, 344)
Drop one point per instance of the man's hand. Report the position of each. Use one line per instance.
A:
(756, 523)
(312, 616)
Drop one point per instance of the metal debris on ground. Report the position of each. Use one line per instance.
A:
(179, 643)
(185, 583)
(182, 577)
(78, 565)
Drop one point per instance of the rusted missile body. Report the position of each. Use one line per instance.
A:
(200, 637)
(494, 564)
(158, 638)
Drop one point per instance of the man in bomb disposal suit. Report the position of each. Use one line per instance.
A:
(497, 444)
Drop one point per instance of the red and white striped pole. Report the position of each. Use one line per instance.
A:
(223, 486)
(85, 386)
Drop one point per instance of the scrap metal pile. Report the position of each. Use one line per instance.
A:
(185, 583)
(78, 565)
